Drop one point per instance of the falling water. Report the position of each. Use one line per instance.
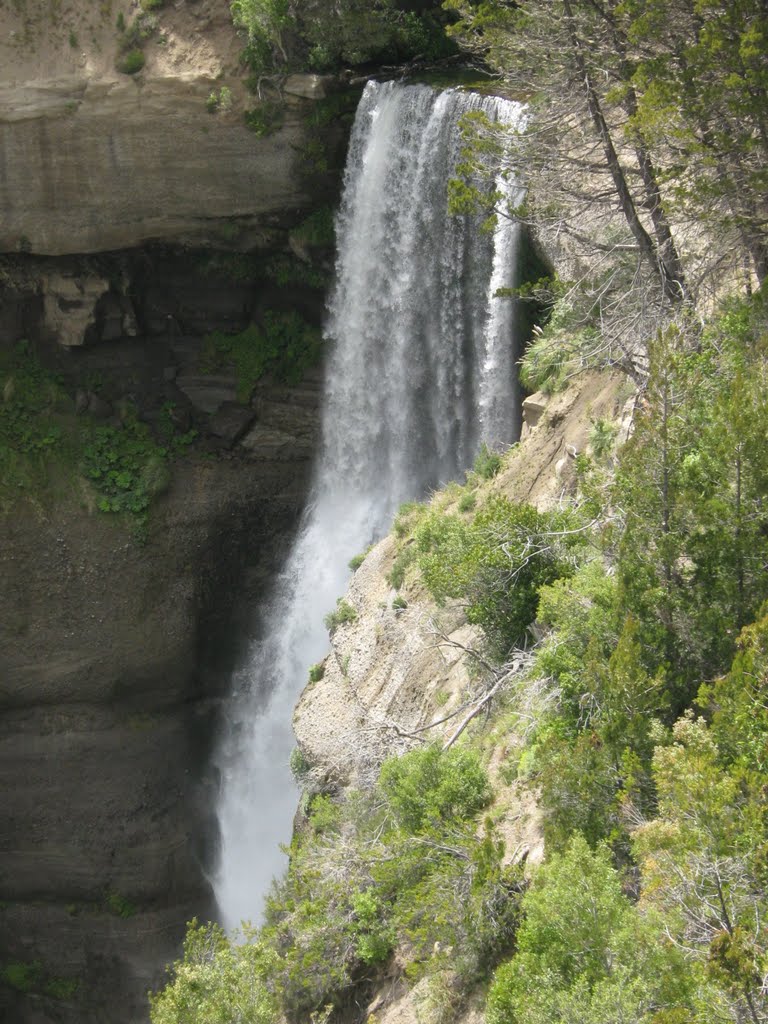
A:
(420, 371)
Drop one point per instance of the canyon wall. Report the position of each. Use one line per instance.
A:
(126, 202)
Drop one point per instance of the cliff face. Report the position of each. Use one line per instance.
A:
(114, 651)
(93, 159)
(398, 674)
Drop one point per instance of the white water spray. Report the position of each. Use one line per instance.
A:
(420, 370)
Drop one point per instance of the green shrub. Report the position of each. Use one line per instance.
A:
(63, 989)
(399, 603)
(357, 561)
(126, 467)
(214, 976)
(298, 763)
(427, 787)
(317, 672)
(487, 463)
(23, 977)
(73, 39)
(120, 905)
(467, 502)
(31, 978)
(318, 229)
(496, 564)
(221, 100)
(343, 613)
(374, 939)
(286, 346)
(132, 62)
(584, 952)
(289, 271)
(265, 119)
(408, 515)
(602, 437)
(404, 558)
(31, 424)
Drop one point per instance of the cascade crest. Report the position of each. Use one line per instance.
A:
(421, 369)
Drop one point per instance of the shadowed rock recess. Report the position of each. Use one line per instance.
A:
(115, 648)
(136, 222)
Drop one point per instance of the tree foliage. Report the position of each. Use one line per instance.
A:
(583, 953)
(496, 563)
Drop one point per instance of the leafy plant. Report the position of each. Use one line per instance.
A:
(120, 905)
(298, 763)
(496, 563)
(318, 229)
(317, 672)
(487, 463)
(31, 427)
(467, 502)
(216, 974)
(285, 347)
(131, 62)
(357, 560)
(265, 119)
(344, 612)
(126, 467)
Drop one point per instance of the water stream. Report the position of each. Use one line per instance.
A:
(420, 370)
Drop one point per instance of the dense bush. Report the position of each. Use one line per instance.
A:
(285, 346)
(583, 952)
(496, 563)
(427, 788)
(131, 62)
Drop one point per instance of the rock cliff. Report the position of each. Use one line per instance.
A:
(398, 672)
(114, 652)
(92, 159)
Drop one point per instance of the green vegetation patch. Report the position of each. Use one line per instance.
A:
(285, 347)
(34, 409)
(32, 978)
(131, 62)
(343, 613)
(43, 443)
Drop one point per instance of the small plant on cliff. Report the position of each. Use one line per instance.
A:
(31, 977)
(119, 905)
(357, 561)
(285, 346)
(221, 100)
(132, 62)
(31, 430)
(342, 613)
(264, 119)
(487, 463)
(317, 672)
(127, 468)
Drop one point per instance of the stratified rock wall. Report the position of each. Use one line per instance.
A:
(92, 159)
(113, 651)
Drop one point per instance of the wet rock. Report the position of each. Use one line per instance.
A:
(208, 392)
(231, 422)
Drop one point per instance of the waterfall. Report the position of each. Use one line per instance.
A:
(420, 370)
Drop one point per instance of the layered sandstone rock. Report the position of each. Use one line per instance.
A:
(92, 159)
